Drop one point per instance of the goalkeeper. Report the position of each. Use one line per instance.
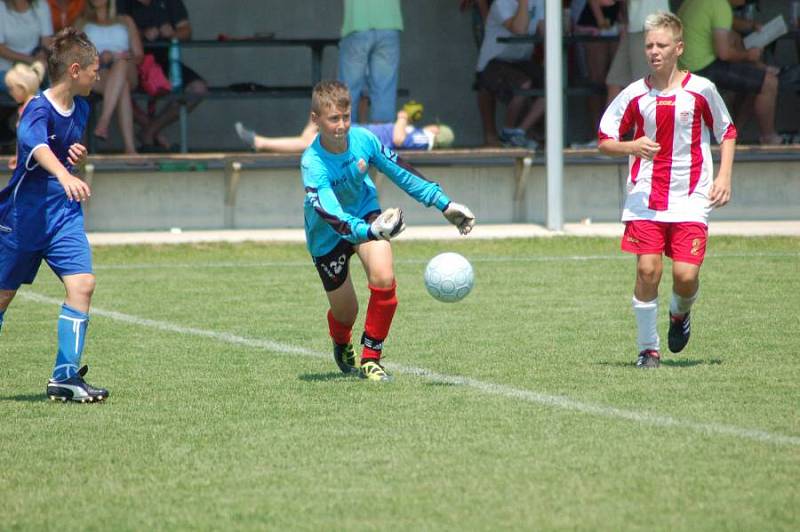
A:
(343, 217)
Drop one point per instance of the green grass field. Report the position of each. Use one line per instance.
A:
(518, 408)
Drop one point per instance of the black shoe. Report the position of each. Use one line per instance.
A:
(679, 331)
(345, 358)
(75, 389)
(649, 358)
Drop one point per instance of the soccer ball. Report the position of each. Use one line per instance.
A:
(449, 277)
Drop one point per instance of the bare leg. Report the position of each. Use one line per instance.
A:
(111, 90)
(125, 119)
(534, 114)
(648, 276)
(487, 106)
(343, 302)
(5, 298)
(765, 110)
(194, 93)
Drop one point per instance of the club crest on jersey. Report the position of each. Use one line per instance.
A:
(362, 165)
(685, 117)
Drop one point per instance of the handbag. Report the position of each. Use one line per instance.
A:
(152, 79)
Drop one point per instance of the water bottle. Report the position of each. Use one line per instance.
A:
(175, 74)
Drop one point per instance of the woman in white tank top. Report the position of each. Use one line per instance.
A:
(120, 47)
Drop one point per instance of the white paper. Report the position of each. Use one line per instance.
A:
(768, 33)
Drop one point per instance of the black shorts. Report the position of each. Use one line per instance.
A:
(737, 77)
(334, 266)
(501, 78)
(187, 74)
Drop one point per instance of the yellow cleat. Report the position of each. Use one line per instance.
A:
(373, 371)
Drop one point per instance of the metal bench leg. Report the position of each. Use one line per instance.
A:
(522, 170)
(182, 114)
(232, 174)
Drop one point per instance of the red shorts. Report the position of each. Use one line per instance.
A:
(681, 241)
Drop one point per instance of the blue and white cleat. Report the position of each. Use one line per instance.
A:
(75, 389)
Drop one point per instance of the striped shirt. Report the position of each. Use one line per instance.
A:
(674, 186)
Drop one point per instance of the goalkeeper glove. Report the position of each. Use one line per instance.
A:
(460, 216)
(387, 225)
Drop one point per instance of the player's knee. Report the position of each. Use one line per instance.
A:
(684, 277)
(83, 287)
(383, 280)
(649, 273)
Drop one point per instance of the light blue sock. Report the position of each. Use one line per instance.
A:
(72, 326)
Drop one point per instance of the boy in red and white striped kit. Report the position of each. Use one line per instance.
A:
(671, 114)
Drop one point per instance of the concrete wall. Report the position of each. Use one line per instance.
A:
(437, 65)
(273, 198)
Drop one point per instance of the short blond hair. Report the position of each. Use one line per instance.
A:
(27, 77)
(330, 93)
(664, 20)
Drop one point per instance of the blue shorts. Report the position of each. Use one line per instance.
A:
(68, 254)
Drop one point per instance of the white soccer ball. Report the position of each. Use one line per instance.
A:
(449, 277)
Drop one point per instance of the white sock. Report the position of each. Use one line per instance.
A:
(647, 320)
(680, 304)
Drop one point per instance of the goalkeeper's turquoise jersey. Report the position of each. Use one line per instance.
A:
(340, 193)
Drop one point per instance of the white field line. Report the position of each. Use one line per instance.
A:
(530, 258)
(555, 401)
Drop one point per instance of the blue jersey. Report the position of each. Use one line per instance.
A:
(339, 192)
(416, 139)
(34, 206)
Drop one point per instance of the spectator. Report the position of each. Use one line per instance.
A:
(630, 61)
(397, 135)
(120, 50)
(23, 83)
(159, 20)
(65, 12)
(480, 12)
(598, 17)
(369, 53)
(25, 29)
(714, 51)
(503, 68)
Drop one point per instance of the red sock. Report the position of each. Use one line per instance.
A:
(340, 332)
(380, 311)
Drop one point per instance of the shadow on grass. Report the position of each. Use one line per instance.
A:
(325, 377)
(26, 398)
(672, 363)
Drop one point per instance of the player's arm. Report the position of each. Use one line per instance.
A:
(720, 193)
(323, 200)
(75, 188)
(618, 119)
(725, 133)
(32, 137)
(415, 185)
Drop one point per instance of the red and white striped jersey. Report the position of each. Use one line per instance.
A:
(674, 186)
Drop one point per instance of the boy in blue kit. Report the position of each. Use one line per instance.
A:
(40, 211)
(342, 217)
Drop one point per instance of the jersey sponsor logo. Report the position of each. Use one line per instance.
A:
(671, 103)
(347, 162)
(696, 246)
